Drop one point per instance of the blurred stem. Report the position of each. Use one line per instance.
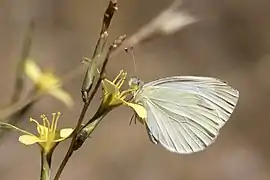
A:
(15, 117)
(26, 47)
(46, 159)
(153, 29)
(15, 114)
(18, 106)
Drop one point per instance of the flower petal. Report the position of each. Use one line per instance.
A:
(32, 70)
(109, 88)
(48, 81)
(9, 126)
(28, 139)
(62, 95)
(64, 133)
(139, 109)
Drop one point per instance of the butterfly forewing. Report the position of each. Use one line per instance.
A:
(185, 113)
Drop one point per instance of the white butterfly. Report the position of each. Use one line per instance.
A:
(185, 113)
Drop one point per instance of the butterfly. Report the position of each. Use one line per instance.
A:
(185, 113)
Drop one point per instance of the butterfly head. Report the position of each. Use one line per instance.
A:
(135, 83)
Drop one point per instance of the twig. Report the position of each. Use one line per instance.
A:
(96, 60)
(88, 81)
(70, 149)
(86, 130)
(85, 107)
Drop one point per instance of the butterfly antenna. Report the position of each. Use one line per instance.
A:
(130, 49)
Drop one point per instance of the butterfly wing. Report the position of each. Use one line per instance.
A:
(185, 113)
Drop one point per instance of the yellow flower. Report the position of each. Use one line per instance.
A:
(112, 97)
(48, 136)
(47, 82)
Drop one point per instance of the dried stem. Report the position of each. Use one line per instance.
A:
(87, 84)
(96, 60)
(85, 108)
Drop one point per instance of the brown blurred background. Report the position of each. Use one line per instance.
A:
(231, 42)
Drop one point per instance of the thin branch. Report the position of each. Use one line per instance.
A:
(72, 147)
(96, 60)
(85, 107)
(87, 129)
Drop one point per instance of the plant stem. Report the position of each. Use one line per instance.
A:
(46, 159)
(77, 129)
(86, 131)
(95, 62)
(73, 141)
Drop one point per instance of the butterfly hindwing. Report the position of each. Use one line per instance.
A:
(185, 113)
